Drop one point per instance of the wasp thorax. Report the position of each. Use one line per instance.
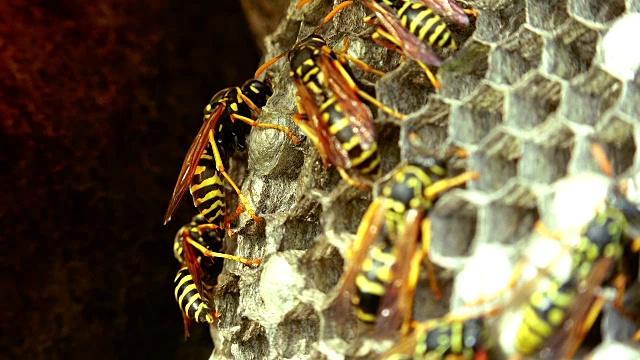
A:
(257, 91)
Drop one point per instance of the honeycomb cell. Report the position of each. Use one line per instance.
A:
(509, 217)
(629, 104)
(547, 14)
(617, 138)
(454, 220)
(516, 56)
(571, 50)
(297, 332)
(477, 115)
(463, 71)
(496, 159)
(589, 96)
(531, 101)
(500, 20)
(596, 11)
(546, 155)
(426, 130)
(398, 90)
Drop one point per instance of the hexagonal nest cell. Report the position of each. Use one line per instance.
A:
(525, 97)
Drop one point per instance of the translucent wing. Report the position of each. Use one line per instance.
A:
(398, 299)
(326, 143)
(370, 230)
(191, 160)
(346, 91)
(411, 45)
(449, 9)
(583, 313)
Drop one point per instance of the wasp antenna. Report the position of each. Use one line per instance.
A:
(264, 66)
(601, 157)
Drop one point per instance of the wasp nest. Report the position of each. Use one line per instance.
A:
(532, 85)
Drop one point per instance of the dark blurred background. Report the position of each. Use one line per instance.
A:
(99, 103)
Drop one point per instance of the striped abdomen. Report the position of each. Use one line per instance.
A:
(371, 281)
(460, 338)
(424, 23)
(544, 315)
(189, 299)
(207, 190)
(365, 162)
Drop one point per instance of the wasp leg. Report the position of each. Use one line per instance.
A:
(331, 14)
(601, 157)
(221, 170)
(424, 66)
(620, 283)
(426, 246)
(346, 177)
(377, 38)
(471, 12)
(211, 254)
(227, 223)
(302, 3)
(270, 126)
(441, 186)
(359, 63)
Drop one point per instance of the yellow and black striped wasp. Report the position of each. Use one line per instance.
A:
(195, 246)
(558, 316)
(392, 242)
(444, 338)
(228, 118)
(413, 28)
(332, 112)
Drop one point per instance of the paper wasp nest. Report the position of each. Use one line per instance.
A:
(532, 84)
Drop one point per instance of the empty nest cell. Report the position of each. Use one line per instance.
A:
(589, 96)
(596, 11)
(496, 159)
(453, 226)
(462, 73)
(531, 101)
(505, 18)
(509, 217)
(571, 50)
(480, 113)
(425, 131)
(513, 58)
(546, 155)
(547, 14)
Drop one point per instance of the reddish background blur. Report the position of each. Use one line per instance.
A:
(99, 102)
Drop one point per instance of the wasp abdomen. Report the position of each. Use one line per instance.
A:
(189, 299)
(424, 23)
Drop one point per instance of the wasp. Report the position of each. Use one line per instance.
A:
(331, 108)
(393, 239)
(444, 338)
(559, 316)
(446, 8)
(413, 29)
(228, 118)
(195, 246)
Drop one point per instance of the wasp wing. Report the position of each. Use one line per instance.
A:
(346, 91)
(398, 297)
(371, 229)
(326, 143)
(190, 163)
(583, 313)
(411, 44)
(449, 9)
